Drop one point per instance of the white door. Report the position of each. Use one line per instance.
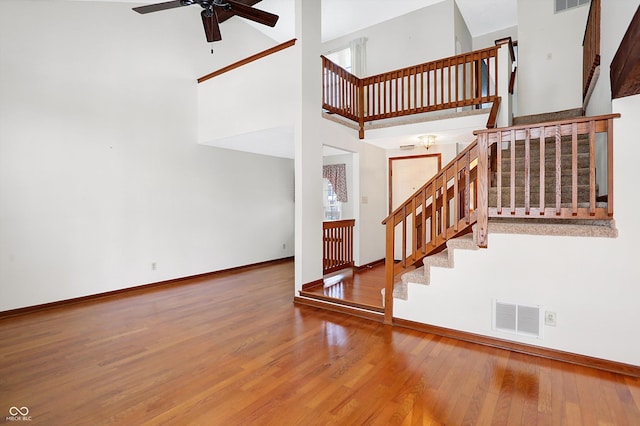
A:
(407, 175)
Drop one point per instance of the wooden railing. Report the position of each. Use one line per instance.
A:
(494, 177)
(591, 47)
(563, 153)
(443, 208)
(248, 60)
(469, 79)
(337, 246)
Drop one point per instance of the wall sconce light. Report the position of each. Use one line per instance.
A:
(427, 140)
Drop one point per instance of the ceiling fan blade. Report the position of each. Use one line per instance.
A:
(159, 6)
(253, 14)
(211, 27)
(224, 14)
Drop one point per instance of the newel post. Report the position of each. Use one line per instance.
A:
(389, 275)
(360, 108)
(483, 189)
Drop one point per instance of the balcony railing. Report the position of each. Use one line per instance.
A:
(469, 79)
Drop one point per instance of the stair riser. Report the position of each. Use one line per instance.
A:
(550, 178)
(550, 196)
(566, 161)
(550, 149)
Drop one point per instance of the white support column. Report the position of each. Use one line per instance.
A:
(505, 64)
(308, 146)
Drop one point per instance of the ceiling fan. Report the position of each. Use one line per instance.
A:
(215, 12)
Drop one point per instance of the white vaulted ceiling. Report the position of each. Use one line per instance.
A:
(340, 17)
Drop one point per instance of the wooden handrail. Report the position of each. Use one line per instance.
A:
(248, 60)
(337, 245)
(469, 79)
(443, 208)
(469, 190)
(566, 151)
(591, 47)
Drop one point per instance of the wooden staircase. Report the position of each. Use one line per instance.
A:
(513, 167)
(542, 174)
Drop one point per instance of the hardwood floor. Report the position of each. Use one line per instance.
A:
(233, 349)
(360, 289)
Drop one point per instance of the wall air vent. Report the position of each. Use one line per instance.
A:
(562, 5)
(519, 319)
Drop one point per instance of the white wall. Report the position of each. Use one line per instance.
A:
(462, 34)
(487, 40)
(421, 36)
(257, 96)
(549, 57)
(590, 283)
(100, 171)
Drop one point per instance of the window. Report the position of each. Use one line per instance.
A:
(331, 203)
(342, 58)
(562, 5)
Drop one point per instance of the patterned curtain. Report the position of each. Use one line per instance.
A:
(336, 174)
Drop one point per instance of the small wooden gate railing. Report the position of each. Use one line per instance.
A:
(464, 80)
(337, 245)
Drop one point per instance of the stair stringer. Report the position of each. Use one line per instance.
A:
(444, 259)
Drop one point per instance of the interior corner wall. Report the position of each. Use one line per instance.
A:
(101, 176)
(406, 40)
(462, 34)
(549, 57)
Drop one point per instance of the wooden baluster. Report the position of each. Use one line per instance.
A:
(499, 173)
(428, 85)
(527, 172)
(456, 198)
(389, 271)
(574, 169)
(543, 169)
(424, 220)
(449, 82)
(441, 65)
(422, 88)
(393, 107)
(434, 213)
(610, 167)
(592, 168)
(415, 88)
(512, 145)
(404, 236)
(482, 190)
(467, 192)
(445, 205)
(414, 228)
(558, 171)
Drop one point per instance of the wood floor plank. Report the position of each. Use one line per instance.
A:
(232, 349)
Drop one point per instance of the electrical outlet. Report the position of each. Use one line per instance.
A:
(550, 318)
(153, 266)
(284, 246)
